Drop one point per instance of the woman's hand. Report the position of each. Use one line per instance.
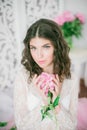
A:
(44, 84)
(57, 87)
(38, 82)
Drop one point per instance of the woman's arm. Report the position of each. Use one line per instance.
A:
(24, 118)
(67, 118)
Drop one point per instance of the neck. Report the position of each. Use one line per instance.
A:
(50, 71)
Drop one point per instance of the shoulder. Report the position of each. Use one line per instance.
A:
(74, 79)
(21, 80)
(22, 73)
(73, 76)
(71, 84)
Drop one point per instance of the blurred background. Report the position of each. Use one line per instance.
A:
(15, 18)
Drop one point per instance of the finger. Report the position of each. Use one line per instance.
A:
(55, 84)
(36, 79)
(41, 83)
(55, 80)
(46, 89)
(54, 87)
(34, 76)
(57, 77)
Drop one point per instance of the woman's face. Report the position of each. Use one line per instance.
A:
(42, 52)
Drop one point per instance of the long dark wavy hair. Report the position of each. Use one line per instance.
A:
(48, 29)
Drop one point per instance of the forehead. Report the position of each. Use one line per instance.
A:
(39, 41)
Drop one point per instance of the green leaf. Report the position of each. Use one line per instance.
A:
(49, 100)
(70, 29)
(56, 101)
(51, 107)
(44, 113)
(50, 95)
(2, 124)
(13, 128)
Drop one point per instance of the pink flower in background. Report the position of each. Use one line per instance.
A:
(47, 79)
(80, 17)
(68, 16)
(71, 25)
(60, 20)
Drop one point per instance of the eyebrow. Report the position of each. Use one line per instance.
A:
(46, 44)
(42, 45)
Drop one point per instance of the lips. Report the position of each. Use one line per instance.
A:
(41, 62)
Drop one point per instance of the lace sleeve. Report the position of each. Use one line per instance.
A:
(67, 118)
(24, 118)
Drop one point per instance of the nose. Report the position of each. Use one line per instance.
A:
(40, 53)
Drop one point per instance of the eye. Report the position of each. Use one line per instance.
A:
(46, 46)
(32, 48)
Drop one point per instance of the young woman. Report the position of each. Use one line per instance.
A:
(45, 56)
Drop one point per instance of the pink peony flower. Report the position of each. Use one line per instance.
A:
(60, 20)
(45, 111)
(80, 17)
(71, 25)
(68, 16)
(47, 79)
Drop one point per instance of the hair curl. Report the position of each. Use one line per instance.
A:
(48, 29)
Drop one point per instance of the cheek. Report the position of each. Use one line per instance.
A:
(33, 55)
(50, 55)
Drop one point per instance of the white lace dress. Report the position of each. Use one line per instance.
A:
(27, 105)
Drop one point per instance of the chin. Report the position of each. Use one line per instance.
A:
(42, 66)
